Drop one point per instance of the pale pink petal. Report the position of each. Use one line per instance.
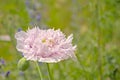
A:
(48, 46)
(20, 35)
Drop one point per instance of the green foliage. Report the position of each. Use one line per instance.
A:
(96, 30)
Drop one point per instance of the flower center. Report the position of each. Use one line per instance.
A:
(44, 40)
(49, 42)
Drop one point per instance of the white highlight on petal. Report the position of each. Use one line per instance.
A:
(69, 39)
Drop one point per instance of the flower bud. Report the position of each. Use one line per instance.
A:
(23, 64)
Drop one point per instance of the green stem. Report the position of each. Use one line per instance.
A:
(99, 39)
(40, 73)
(25, 77)
(49, 73)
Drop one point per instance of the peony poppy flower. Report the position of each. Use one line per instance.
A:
(48, 46)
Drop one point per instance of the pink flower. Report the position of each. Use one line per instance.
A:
(45, 45)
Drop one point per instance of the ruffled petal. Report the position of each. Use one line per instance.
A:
(48, 46)
(20, 35)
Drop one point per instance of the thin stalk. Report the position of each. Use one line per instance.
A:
(99, 39)
(25, 77)
(40, 73)
(49, 73)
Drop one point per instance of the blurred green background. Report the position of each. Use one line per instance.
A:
(94, 23)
